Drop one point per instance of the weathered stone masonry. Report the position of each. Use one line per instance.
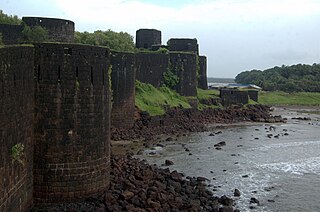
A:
(55, 102)
(16, 127)
(72, 122)
(59, 30)
(123, 87)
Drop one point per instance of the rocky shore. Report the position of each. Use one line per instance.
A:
(179, 121)
(138, 186)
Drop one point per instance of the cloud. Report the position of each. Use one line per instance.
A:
(134, 13)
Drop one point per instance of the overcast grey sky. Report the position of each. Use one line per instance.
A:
(235, 35)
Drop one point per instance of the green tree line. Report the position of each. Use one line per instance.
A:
(295, 78)
(9, 19)
(120, 41)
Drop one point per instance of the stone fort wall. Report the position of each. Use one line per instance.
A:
(56, 101)
(16, 128)
(202, 79)
(11, 34)
(123, 77)
(233, 96)
(72, 122)
(60, 30)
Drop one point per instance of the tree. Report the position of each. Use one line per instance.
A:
(293, 78)
(9, 19)
(120, 41)
(35, 34)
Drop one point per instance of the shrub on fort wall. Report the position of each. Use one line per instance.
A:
(170, 78)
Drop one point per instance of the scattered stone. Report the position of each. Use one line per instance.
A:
(245, 176)
(224, 200)
(190, 153)
(256, 138)
(218, 148)
(254, 201)
(169, 139)
(168, 163)
(237, 193)
(226, 209)
(256, 129)
(219, 132)
(160, 145)
(126, 195)
(276, 136)
(211, 134)
(240, 145)
(302, 118)
(271, 200)
(222, 143)
(286, 134)
(187, 150)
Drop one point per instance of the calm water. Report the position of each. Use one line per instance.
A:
(282, 172)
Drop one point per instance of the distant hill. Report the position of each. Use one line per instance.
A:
(220, 80)
(295, 78)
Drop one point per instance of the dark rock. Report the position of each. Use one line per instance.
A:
(271, 200)
(160, 145)
(168, 162)
(126, 195)
(169, 139)
(224, 200)
(245, 176)
(211, 134)
(218, 148)
(222, 143)
(237, 193)
(254, 201)
(202, 179)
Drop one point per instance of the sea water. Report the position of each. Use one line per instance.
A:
(278, 164)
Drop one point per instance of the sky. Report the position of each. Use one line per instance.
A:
(235, 35)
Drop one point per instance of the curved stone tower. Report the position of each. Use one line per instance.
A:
(72, 122)
(60, 30)
(146, 38)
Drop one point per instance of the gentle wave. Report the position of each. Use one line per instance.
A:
(299, 167)
(288, 144)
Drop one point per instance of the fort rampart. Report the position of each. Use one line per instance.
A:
(56, 112)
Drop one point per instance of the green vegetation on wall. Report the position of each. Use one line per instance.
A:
(120, 41)
(9, 19)
(170, 78)
(295, 78)
(156, 101)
